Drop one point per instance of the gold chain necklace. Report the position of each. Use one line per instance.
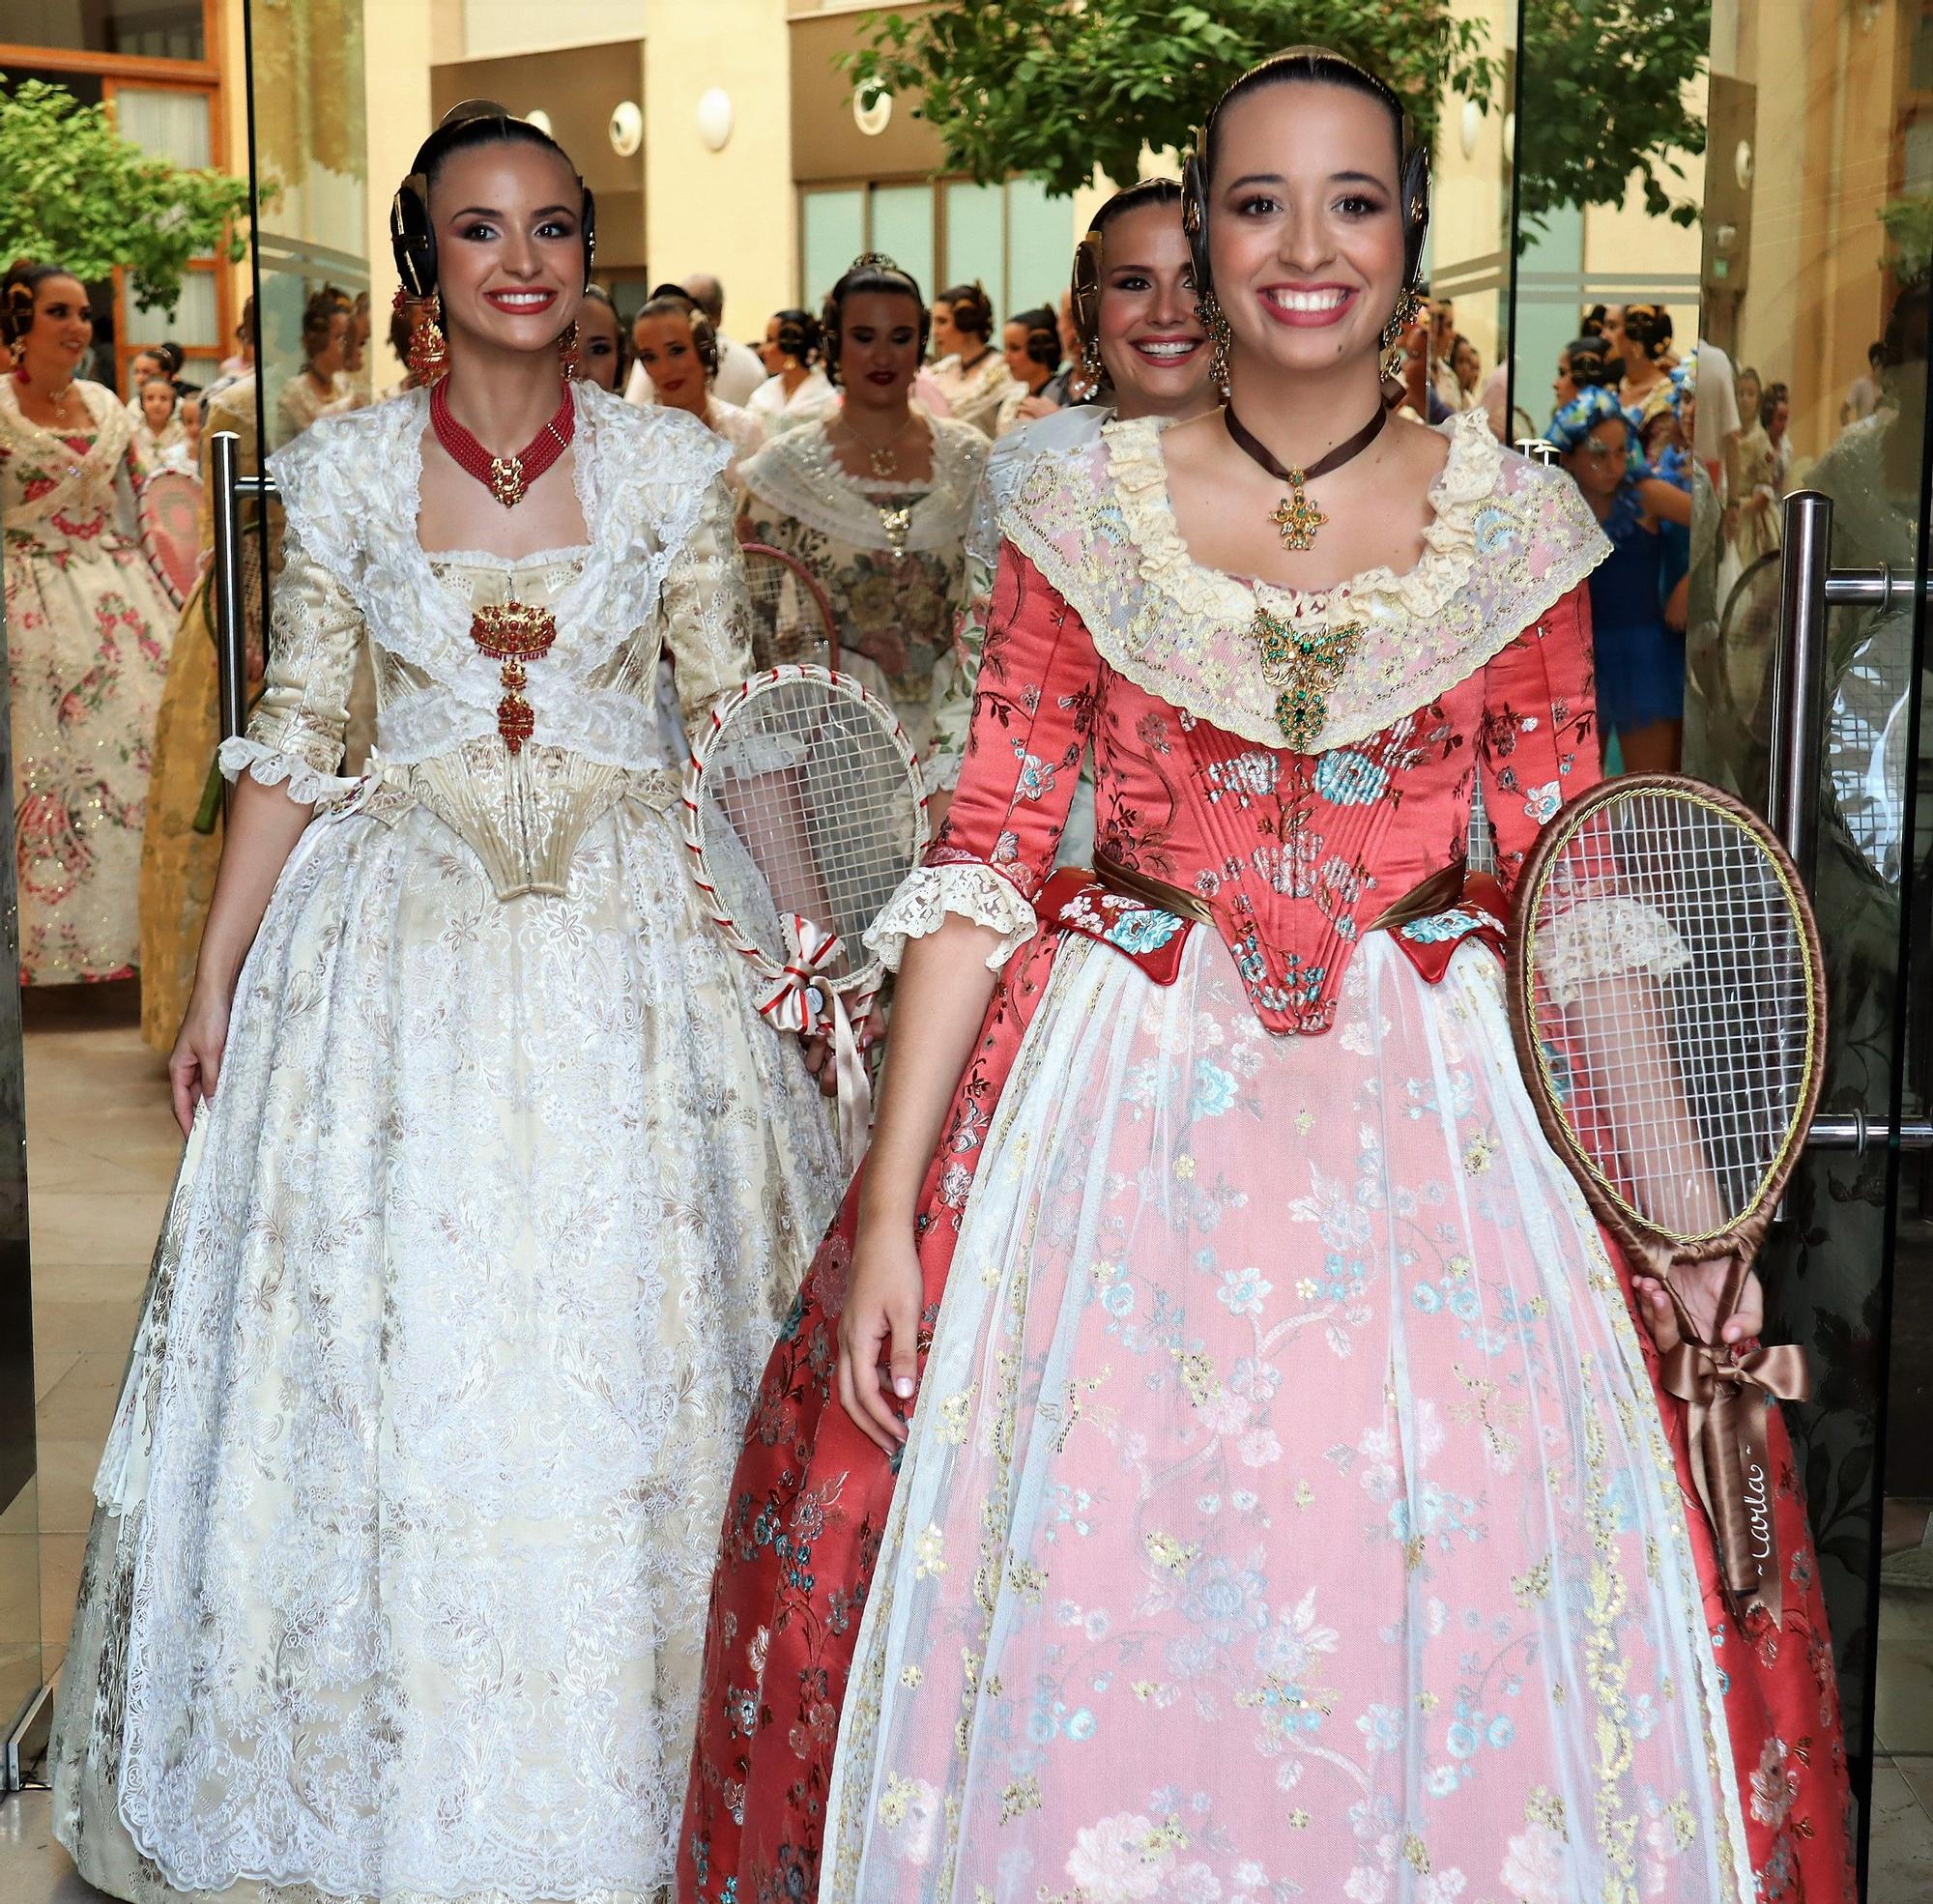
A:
(883, 462)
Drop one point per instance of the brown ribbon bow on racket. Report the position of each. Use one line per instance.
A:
(1725, 1396)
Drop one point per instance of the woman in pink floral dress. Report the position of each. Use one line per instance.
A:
(88, 636)
(1281, 1504)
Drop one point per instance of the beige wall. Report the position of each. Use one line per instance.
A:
(730, 212)
(397, 63)
(727, 212)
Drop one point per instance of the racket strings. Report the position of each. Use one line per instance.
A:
(807, 805)
(789, 622)
(1682, 1062)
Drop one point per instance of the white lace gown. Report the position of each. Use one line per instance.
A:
(398, 1584)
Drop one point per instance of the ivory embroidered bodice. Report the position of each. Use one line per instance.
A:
(1105, 633)
(660, 570)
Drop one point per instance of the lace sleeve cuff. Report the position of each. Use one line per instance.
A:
(1602, 937)
(272, 766)
(974, 892)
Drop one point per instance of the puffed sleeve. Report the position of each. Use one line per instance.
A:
(1034, 712)
(1539, 750)
(297, 731)
(708, 613)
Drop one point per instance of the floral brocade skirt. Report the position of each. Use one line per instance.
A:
(1289, 1512)
(397, 1586)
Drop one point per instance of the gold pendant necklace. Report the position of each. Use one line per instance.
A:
(1296, 516)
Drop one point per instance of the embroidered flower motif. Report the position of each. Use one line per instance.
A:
(1036, 777)
(1540, 803)
(1774, 1784)
(1120, 1860)
(1348, 779)
(1243, 1290)
(1534, 1866)
(1144, 930)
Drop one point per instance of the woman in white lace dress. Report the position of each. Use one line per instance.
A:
(498, 1185)
(875, 499)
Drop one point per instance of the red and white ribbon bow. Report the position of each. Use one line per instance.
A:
(793, 1001)
(804, 1002)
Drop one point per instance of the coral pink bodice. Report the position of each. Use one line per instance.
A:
(1473, 669)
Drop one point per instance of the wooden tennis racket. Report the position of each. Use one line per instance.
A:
(792, 617)
(1668, 1010)
(804, 811)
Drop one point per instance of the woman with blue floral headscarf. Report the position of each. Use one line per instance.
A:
(1640, 662)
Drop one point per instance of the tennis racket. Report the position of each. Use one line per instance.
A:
(169, 515)
(1669, 1014)
(792, 619)
(803, 811)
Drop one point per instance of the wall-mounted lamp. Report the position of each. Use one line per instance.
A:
(714, 118)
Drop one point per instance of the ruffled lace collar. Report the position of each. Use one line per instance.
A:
(1506, 540)
(796, 474)
(106, 418)
(351, 487)
(1467, 480)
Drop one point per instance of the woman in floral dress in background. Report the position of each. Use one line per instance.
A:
(88, 636)
(1249, 1481)
(875, 499)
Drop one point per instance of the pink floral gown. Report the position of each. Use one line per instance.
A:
(1288, 1510)
(89, 631)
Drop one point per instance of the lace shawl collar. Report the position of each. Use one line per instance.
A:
(1509, 539)
(796, 474)
(106, 416)
(351, 491)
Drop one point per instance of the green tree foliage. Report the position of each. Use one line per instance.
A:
(1056, 88)
(80, 195)
(1602, 96)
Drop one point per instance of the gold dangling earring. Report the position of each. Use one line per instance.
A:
(16, 353)
(429, 349)
(1214, 320)
(1400, 319)
(1091, 366)
(569, 345)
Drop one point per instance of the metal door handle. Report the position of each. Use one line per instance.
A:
(231, 637)
(1809, 586)
(1854, 1130)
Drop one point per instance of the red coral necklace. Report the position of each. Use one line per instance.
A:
(507, 477)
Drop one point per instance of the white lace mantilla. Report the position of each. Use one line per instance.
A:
(796, 474)
(351, 485)
(930, 893)
(1507, 541)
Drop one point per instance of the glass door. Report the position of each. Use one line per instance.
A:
(1796, 276)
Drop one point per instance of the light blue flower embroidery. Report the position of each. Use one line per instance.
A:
(1144, 930)
(1036, 779)
(1456, 923)
(1242, 1290)
(1214, 1089)
(1540, 803)
(1348, 779)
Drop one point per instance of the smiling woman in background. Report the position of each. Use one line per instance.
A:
(678, 350)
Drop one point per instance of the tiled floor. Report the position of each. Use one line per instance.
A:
(102, 1152)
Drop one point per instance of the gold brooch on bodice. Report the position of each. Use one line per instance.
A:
(514, 632)
(1303, 668)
